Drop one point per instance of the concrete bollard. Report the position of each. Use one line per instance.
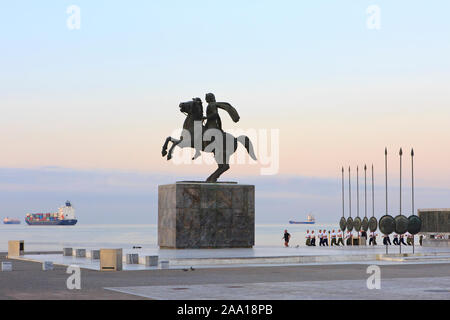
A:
(151, 261)
(95, 254)
(16, 248)
(110, 259)
(6, 266)
(164, 265)
(47, 265)
(132, 258)
(80, 253)
(67, 252)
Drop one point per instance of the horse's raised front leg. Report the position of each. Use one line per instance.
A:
(164, 148)
(175, 142)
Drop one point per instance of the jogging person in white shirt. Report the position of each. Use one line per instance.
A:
(308, 238)
(340, 235)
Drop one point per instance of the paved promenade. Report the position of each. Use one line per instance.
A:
(341, 281)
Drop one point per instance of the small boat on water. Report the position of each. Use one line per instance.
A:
(8, 220)
(309, 220)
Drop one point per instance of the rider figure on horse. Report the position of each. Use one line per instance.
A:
(212, 118)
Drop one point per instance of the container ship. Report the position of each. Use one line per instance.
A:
(8, 220)
(309, 220)
(64, 217)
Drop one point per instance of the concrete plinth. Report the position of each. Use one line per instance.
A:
(6, 266)
(47, 265)
(151, 261)
(80, 253)
(16, 248)
(95, 254)
(206, 215)
(436, 242)
(132, 258)
(110, 259)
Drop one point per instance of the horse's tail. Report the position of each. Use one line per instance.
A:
(248, 145)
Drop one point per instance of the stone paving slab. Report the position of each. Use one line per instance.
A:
(391, 289)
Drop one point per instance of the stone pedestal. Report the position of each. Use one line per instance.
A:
(206, 215)
(16, 248)
(110, 259)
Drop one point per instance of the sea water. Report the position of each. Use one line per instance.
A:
(94, 236)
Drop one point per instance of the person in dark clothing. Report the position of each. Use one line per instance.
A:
(325, 237)
(395, 239)
(373, 238)
(402, 240)
(286, 237)
(386, 240)
(313, 239)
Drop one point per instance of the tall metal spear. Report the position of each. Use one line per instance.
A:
(373, 223)
(401, 154)
(357, 191)
(386, 183)
(414, 222)
(349, 194)
(342, 222)
(385, 173)
(412, 188)
(343, 202)
(365, 221)
(365, 191)
(349, 219)
(373, 196)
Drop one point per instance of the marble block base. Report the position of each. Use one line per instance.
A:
(206, 215)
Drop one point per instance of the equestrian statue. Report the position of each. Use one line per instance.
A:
(208, 137)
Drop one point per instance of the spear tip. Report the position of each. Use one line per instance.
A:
(401, 151)
(412, 152)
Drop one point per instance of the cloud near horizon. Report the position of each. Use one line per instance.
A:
(119, 197)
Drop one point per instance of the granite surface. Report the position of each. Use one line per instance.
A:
(206, 215)
(435, 220)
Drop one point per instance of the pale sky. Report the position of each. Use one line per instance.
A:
(106, 96)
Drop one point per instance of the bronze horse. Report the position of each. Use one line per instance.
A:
(191, 138)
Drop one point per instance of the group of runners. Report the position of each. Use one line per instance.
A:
(332, 238)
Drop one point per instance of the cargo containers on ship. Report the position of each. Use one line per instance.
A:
(64, 216)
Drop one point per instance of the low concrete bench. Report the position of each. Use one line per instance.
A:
(47, 265)
(132, 258)
(95, 254)
(6, 266)
(151, 261)
(80, 253)
(110, 259)
(16, 248)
